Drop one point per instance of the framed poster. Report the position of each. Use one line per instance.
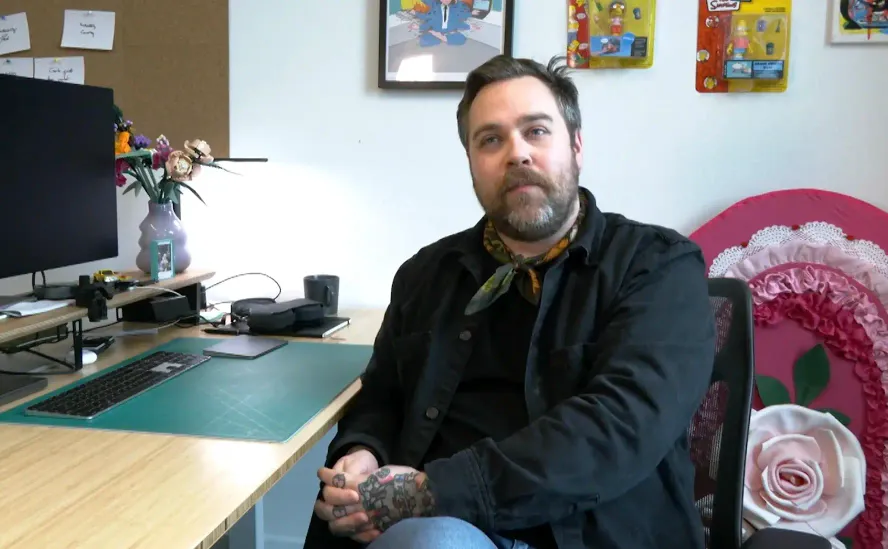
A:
(858, 22)
(434, 44)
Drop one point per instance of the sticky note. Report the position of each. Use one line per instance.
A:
(17, 66)
(88, 30)
(60, 69)
(14, 33)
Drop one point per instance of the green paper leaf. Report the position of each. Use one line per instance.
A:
(141, 153)
(843, 419)
(190, 188)
(772, 390)
(849, 543)
(811, 375)
(132, 186)
(217, 166)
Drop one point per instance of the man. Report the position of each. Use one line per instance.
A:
(534, 376)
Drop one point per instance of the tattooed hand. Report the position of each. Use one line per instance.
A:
(392, 494)
(339, 505)
(386, 496)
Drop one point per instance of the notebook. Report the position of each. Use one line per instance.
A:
(28, 308)
(244, 346)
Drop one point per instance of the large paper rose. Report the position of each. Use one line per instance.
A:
(199, 150)
(180, 166)
(804, 471)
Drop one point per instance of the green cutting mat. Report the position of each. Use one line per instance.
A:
(265, 399)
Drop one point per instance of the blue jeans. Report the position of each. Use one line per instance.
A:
(440, 533)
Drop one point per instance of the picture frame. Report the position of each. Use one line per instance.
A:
(858, 22)
(435, 44)
(162, 258)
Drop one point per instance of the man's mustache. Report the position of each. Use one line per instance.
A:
(518, 177)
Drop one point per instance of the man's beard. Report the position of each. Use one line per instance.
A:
(525, 217)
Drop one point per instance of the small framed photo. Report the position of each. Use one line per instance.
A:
(435, 44)
(858, 22)
(162, 260)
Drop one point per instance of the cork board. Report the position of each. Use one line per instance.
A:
(168, 68)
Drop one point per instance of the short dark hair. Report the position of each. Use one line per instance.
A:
(503, 67)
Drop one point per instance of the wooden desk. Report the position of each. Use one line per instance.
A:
(111, 490)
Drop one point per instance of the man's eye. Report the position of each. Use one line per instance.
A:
(488, 140)
(538, 131)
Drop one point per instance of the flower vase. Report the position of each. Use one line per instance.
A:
(162, 223)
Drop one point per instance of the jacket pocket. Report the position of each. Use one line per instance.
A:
(411, 355)
(570, 370)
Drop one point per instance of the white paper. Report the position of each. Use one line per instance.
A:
(61, 69)
(17, 66)
(14, 33)
(88, 30)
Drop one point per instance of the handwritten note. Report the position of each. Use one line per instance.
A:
(60, 69)
(88, 30)
(14, 33)
(17, 66)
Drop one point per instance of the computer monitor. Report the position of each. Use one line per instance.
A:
(58, 198)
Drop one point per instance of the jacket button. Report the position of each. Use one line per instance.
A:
(465, 335)
(431, 412)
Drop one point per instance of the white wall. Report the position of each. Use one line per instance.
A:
(359, 178)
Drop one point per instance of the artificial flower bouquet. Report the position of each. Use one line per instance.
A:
(160, 171)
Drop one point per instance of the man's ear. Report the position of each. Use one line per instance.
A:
(578, 148)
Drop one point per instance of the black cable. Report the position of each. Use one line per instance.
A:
(276, 283)
(34, 279)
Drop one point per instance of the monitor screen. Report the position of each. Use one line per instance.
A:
(58, 198)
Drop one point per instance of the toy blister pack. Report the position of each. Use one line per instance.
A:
(743, 45)
(603, 34)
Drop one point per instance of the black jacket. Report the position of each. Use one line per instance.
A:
(620, 358)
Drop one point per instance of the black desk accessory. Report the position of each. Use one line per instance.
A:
(323, 289)
(93, 296)
(270, 317)
(244, 346)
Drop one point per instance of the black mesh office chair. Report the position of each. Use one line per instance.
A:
(719, 429)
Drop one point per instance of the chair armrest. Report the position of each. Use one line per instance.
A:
(779, 538)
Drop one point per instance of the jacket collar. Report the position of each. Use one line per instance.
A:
(469, 245)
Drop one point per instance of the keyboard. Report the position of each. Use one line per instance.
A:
(105, 391)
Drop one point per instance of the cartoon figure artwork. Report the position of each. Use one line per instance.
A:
(739, 44)
(444, 22)
(859, 21)
(617, 9)
(743, 46)
(613, 34)
(436, 43)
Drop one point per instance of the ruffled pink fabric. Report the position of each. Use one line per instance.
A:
(848, 322)
(801, 253)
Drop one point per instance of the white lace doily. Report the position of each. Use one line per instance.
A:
(815, 232)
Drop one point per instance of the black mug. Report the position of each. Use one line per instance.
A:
(325, 290)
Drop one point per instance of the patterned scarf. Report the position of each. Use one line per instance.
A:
(517, 268)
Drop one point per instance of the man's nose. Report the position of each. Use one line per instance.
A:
(519, 152)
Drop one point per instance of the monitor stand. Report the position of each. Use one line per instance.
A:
(13, 387)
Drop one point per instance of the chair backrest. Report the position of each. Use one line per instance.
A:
(719, 429)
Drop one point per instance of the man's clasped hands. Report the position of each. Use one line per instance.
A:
(360, 500)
